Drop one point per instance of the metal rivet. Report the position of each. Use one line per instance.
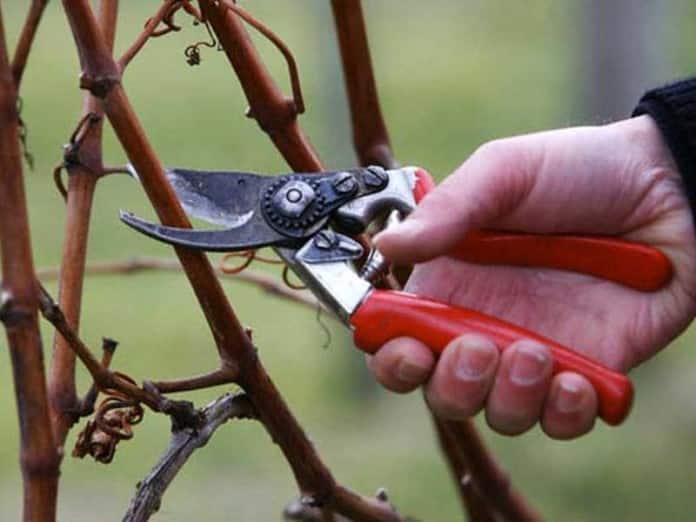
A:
(345, 183)
(375, 176)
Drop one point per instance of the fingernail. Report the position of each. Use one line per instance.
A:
(474, 363)
(528, 364)
(568, 397)
(410, 372)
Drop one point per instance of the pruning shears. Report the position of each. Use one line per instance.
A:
(311, 221)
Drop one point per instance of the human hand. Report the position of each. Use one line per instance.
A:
(617, 180)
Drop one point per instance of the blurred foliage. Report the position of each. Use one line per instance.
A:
(451, 75)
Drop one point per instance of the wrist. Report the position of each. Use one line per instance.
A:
(673, 110)
(643, 135)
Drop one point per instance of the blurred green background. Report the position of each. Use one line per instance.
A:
(452, 75)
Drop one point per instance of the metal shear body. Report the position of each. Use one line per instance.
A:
(309, 218)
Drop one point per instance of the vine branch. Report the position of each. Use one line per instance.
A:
(39, 458)
(295, 86)
(370, 136)
(183, 443)
(475, 506)
(83, 161)
(488, 477)
(26, 39)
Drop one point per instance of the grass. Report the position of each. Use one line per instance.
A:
(451, 77)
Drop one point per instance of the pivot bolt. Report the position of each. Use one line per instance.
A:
(293, 198)
(294, 195)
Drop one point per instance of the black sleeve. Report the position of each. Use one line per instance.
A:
(673, 107)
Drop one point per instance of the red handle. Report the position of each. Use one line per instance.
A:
(630, 264)
(386, 314)
(634, 265)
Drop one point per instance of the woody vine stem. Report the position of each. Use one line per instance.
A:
(48, 398)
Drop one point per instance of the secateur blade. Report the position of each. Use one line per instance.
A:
(230, 199)
(225, 240)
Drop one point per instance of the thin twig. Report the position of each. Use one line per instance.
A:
(107, 171)
(134, 265)
(26, 39)
(86, 404)
(198, 382)
(295, 85)
(165, 12)
(182, 445)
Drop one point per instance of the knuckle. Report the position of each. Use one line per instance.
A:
(475, 340)
(532, 346)
(500, 152)
(506, 167)
(493, 149)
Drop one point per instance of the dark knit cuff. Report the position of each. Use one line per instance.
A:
(673, 108)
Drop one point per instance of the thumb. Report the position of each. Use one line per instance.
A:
(490, 184)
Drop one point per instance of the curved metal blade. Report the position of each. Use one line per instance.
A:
(254, 234)
(230, 199)
(222, 198)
